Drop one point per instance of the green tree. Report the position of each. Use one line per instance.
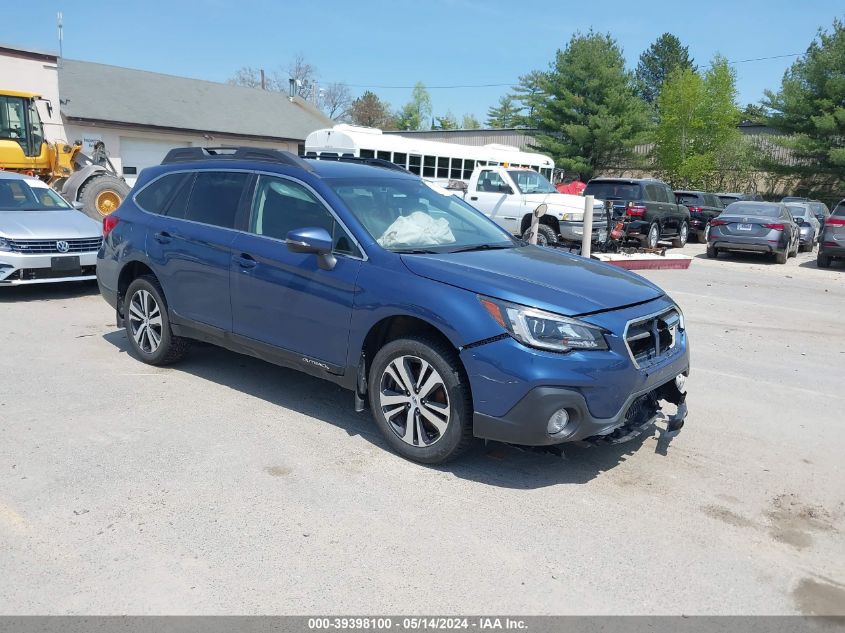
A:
(445, 122)
(370, 111)
(503, 114)
(589, 118)
(469, 122)
(809, 109)
(753, 113)
(665, 55)
(416, 114)
(527, 94)
(697, 140)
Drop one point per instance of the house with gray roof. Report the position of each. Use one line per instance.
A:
(140, 115)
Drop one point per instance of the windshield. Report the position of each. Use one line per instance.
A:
(689, 198)
(613, 190)
(28, 195)
(797, 212)
(405, 215)
(754, 209)
(528, 181)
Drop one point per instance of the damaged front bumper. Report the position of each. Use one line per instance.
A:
(526, 423)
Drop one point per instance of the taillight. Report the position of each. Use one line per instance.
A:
(109, 222)
(695, 209)
(835, 221)
(718, 223)
(776, 227)
(635, 210)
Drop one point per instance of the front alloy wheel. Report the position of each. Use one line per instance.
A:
(414, 401)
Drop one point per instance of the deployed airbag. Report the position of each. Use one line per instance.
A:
(417, 229)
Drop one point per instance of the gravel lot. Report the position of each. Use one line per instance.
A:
(227, 485)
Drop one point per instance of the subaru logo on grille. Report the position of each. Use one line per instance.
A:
(62, 246)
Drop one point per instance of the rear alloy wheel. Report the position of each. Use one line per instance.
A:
(653, 236)
(420, 401)
(683, 236)
(148, 325)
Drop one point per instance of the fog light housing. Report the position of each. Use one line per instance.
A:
(558, 421)
(680, 382)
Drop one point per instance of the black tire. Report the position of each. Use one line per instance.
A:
(782, 256)
(454, 388)
(683, 235)
(823, 261)
(170, 348)
(546, 235)
(108, 189)
(712, 252)
(794, 253)
(653, 231)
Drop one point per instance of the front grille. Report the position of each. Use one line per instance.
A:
(35, 274)
(654, 337)
(83, 245)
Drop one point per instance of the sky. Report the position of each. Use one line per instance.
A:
(387, 46)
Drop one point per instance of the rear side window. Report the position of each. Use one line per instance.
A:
(653, 192)
(159, 194)
(839, 211)
(215, 197)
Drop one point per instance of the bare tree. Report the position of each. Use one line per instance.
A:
(251, 78)
(303, 73)
(335, 101)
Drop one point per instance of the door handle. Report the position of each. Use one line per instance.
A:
(245, 261)
(162, 237)
(473, 197)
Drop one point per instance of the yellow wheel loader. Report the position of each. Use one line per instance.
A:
(90, 181)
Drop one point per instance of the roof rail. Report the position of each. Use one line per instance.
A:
(374, 162)
(190, 154)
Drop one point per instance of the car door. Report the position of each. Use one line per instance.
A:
(492, 197)
(190, 247)
(656, 204)
(283, 300)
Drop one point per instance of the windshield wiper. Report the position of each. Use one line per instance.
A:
(480, 247)
(415, 251)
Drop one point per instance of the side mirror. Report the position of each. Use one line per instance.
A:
(505, 189)
(540, 211)
(313, 240)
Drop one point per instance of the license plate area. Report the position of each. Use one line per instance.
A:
(64, 264)
(744, 227)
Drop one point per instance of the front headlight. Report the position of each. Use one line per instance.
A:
(4, 245)
(574, 217)
(545, 330)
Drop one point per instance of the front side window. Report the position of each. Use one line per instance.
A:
(215, 198)
(405, 215)
(281, 206)
(529, 181)
(28, 195)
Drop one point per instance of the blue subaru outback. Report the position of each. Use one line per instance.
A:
(446, 326)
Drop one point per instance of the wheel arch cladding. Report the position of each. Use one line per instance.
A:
(129, 273)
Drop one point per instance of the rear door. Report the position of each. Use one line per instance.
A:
(191, 247)
(284, 299)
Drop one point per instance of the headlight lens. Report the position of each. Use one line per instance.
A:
(4, 245)
(545, 330)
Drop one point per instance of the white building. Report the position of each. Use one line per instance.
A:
(140, 115)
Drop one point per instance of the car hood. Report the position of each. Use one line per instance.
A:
(539, 277)
(61, 223)
(561, 201)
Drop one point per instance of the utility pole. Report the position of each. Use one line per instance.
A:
(60, 27)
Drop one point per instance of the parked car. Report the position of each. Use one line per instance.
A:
(727, 198)
(808, 225)
(647, 208)
(832, 241)
(754, 227)
(703, 207)
(786, 199)
(365, 276)
(43, 238)
(821, 212)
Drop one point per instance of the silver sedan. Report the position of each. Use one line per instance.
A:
(43, 238)
(808, 225)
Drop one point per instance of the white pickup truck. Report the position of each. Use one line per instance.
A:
(509, 195)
